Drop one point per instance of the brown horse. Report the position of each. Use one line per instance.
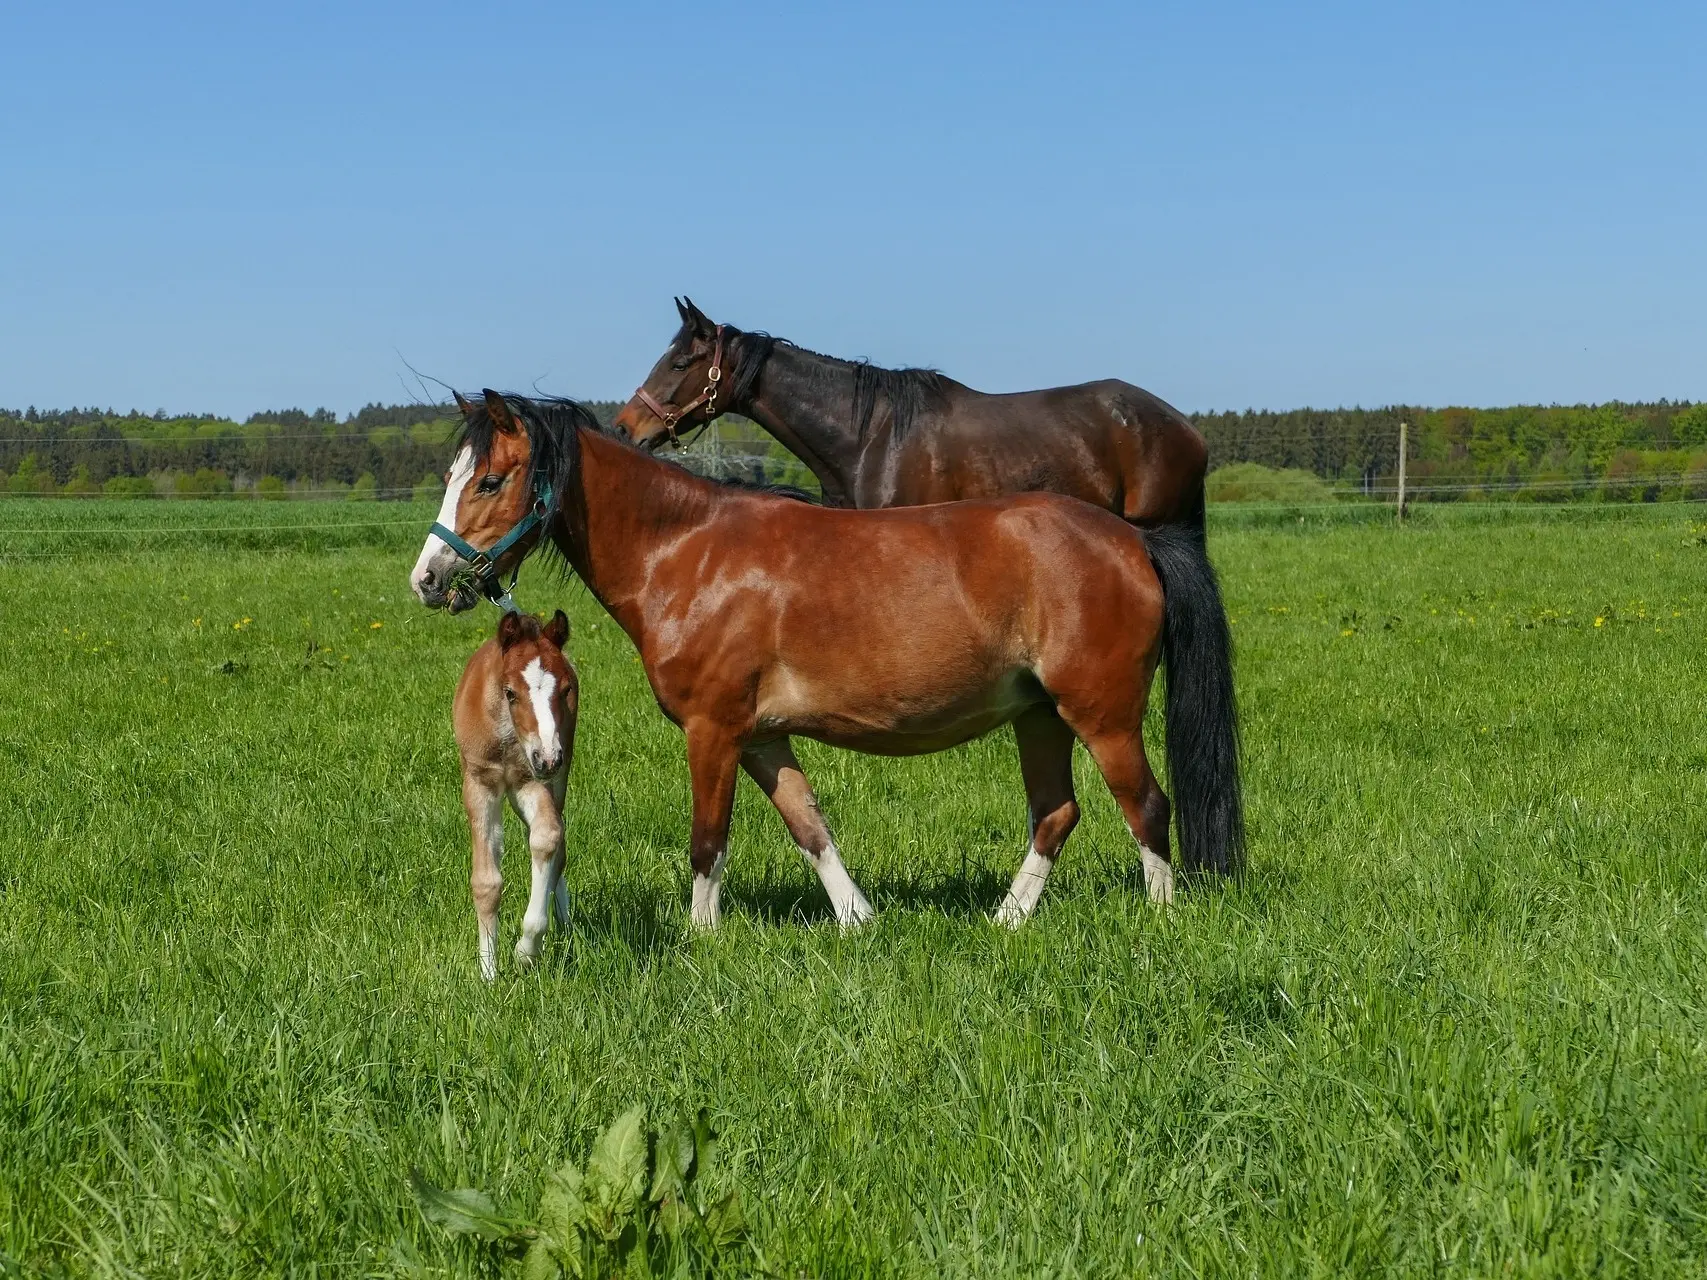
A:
(905, 437)
(758, 618)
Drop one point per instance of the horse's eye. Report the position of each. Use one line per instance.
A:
(490, 483)
(509, 694)
(680, 366)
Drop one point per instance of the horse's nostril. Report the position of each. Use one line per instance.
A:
(429, 579)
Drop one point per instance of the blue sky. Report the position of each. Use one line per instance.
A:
(233, 207)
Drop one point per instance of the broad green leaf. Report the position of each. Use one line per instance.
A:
(704, 1144)
(561, 1210)
(541, 1262)
(463, 1211)
(725, 1223)
(675, 1218)
(616, 1170)
(673, 1162)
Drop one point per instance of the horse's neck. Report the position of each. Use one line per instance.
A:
(806, 402)
(625, 509)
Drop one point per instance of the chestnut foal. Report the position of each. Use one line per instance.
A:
(515, 728)
(895, 632)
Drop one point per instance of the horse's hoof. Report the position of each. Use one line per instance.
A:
(1010, 915)
(857, 914)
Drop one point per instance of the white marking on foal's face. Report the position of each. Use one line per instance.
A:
(436, 555)
(541, 686)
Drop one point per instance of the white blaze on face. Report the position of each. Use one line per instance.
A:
(541, 685)
(461, 472)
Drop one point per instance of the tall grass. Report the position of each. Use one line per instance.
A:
(1452, 1023)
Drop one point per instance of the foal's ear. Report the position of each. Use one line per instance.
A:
(498, 409)
(462, 406)
(702, 326)
(557, 630)
(510, 629)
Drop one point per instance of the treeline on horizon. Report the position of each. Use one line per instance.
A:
(1608, 452)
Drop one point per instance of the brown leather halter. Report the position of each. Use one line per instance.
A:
(670, 415)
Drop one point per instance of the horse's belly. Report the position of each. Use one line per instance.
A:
(895, 722)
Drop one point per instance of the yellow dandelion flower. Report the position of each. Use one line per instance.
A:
(374, 626)
(1600, 622)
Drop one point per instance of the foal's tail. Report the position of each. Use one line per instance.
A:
(1203, 722)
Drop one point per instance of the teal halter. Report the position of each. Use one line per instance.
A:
(484, 564)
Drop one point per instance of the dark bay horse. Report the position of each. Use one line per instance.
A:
(905, 437)
(898, 632)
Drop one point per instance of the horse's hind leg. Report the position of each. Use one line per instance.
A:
(772, 765)
(1046, 764)
(1120, 756)
(712, 759)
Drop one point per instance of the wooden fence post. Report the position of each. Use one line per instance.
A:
(1403, 431)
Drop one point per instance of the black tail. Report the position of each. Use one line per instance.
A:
(1203, 721)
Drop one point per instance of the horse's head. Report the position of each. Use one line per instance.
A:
(540, 692)
(686, 389)
(490, 492)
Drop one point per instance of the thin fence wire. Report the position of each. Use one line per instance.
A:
(119, 530)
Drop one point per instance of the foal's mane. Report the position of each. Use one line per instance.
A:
(905, 392)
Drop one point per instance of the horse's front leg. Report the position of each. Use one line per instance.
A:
(538, 807)
(713, 755)
(560, 891)
(485, 806)
(772, 765)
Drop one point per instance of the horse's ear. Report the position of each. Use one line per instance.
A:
(702, 326)
(509, 629)
(462, 406)
(683, 312)
(498, 410)
(557, 630)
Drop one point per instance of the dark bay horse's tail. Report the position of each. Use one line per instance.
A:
(1203, 722)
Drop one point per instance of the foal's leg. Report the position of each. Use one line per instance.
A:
(712, 760)
(485, 806)
(1120, 756)
(1046, 764)
(559, 890)
(538, 807)
(772, 765)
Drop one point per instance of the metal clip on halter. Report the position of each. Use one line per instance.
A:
(483, 565)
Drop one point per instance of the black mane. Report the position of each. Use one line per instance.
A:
(904, 392)
(553, 425)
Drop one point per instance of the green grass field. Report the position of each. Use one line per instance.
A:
(1453, 1022)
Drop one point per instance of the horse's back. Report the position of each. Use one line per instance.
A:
(1109, 443)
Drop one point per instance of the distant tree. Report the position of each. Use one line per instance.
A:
(129, 487)
(1689, 426)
